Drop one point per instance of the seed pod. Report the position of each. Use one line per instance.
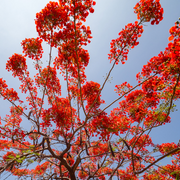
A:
(11, 166)
(87, 134)
(126, 144)
(13, 139)
(98, 165)
(43, 141)
(86, 147)
(118, 175)
(68, 155)
(111, 150)
(80, 139)
(30, 112)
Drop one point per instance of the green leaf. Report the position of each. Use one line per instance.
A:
(17, 156)
(19, 160)
(11, 157)
(30, 161)
(23, 158)
(177, 177)
(35, 153)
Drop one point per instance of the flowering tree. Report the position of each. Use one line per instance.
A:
(61, 144)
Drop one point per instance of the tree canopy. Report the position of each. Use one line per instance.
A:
(79, 136)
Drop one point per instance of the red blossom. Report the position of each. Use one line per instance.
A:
(50, 19)
(32, 48)
(127, 39)
(149, 10)
(16, 64)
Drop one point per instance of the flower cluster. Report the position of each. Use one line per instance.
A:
(55, 22)
(174, 31)
(149, 10)
(137, 105)
(40, 169)
(3, 84)
(32, 48)
(21, 172)
(166, 66)
(49, 20)
(11, 94)
(144, 140)
(123, 88)
(105, 125)
(48, 77)
(67, 59)
(60, 113)
(90, 91)
(127, 39)
(79, 9)
(9, 156)
(16, 64)
(155, 175)
(167, 147)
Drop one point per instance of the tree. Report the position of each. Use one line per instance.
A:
(61, 144)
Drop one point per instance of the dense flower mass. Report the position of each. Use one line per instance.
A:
(60, 113)
(49, 20)
(149, 10)
(127, 39)
(90, 91)
(48, 77)
(32, 48)
(16, 64)
(3, 84)
(71, 60)
(79, 9)
(174, 31)
(167, 147)
(123, 88)
(52, 20)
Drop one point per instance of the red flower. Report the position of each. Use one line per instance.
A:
(149, 10)
(16, 64)
(32, 48)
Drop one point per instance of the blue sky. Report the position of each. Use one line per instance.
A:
(110, 16)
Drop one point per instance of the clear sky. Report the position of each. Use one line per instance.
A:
(110, 16)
